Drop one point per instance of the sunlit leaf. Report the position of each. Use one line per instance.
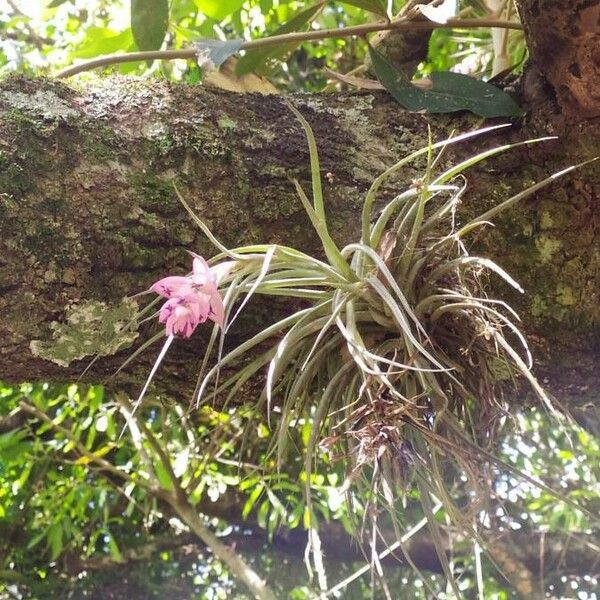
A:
(84, 460)
(101, 40)
(149, 22)
(449, 92)
(253, 60)
(252, 498)
(263, 513)
(163, 476)
(375, 6)
(218, 9)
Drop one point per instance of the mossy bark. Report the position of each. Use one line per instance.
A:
(88, 212)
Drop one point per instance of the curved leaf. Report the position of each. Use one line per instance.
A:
(149, 21)
(253, 60)
(448, 92)
(101, 40)
(375, 6)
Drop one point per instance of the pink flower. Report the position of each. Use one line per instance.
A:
(169, 286)
(190, 300)
(181, 314)
(201, 278)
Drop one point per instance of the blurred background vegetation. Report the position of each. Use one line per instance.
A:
(43, 37)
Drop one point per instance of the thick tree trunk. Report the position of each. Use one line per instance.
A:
(89, 213)
(563, 37)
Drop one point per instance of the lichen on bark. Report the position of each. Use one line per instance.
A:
(89, 329)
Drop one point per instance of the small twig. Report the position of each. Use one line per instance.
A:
(104, 464)
(27, 37)
(389, 550)
(236, 565)
(176, 500)
(299, 36)
(34, 37)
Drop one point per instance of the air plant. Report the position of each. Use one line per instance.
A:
(396, 353)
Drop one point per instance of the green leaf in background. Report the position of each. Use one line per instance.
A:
(54, 536)
(218, 9)
(448, 92)
(113, 548)
(213, 53)
(55, 3)
(101, 40)
(149, 21)
(375, 6)
(162, 475)
(253, 60)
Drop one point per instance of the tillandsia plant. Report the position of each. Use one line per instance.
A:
(399, 355)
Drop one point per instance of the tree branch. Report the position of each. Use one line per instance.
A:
(99, 163)
(175, 498)
(34, 37)
(295, 37)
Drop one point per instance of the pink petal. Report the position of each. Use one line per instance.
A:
(182, 321)
(198, 304)
(217, 313)
(187, 328)
(221, 270)
(200, 266)
(169, 286)
(180, 316)
(169, 328)
(166, 309)
(202, 276)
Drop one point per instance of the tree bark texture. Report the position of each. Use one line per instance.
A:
(563, 37)
(89, 213)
